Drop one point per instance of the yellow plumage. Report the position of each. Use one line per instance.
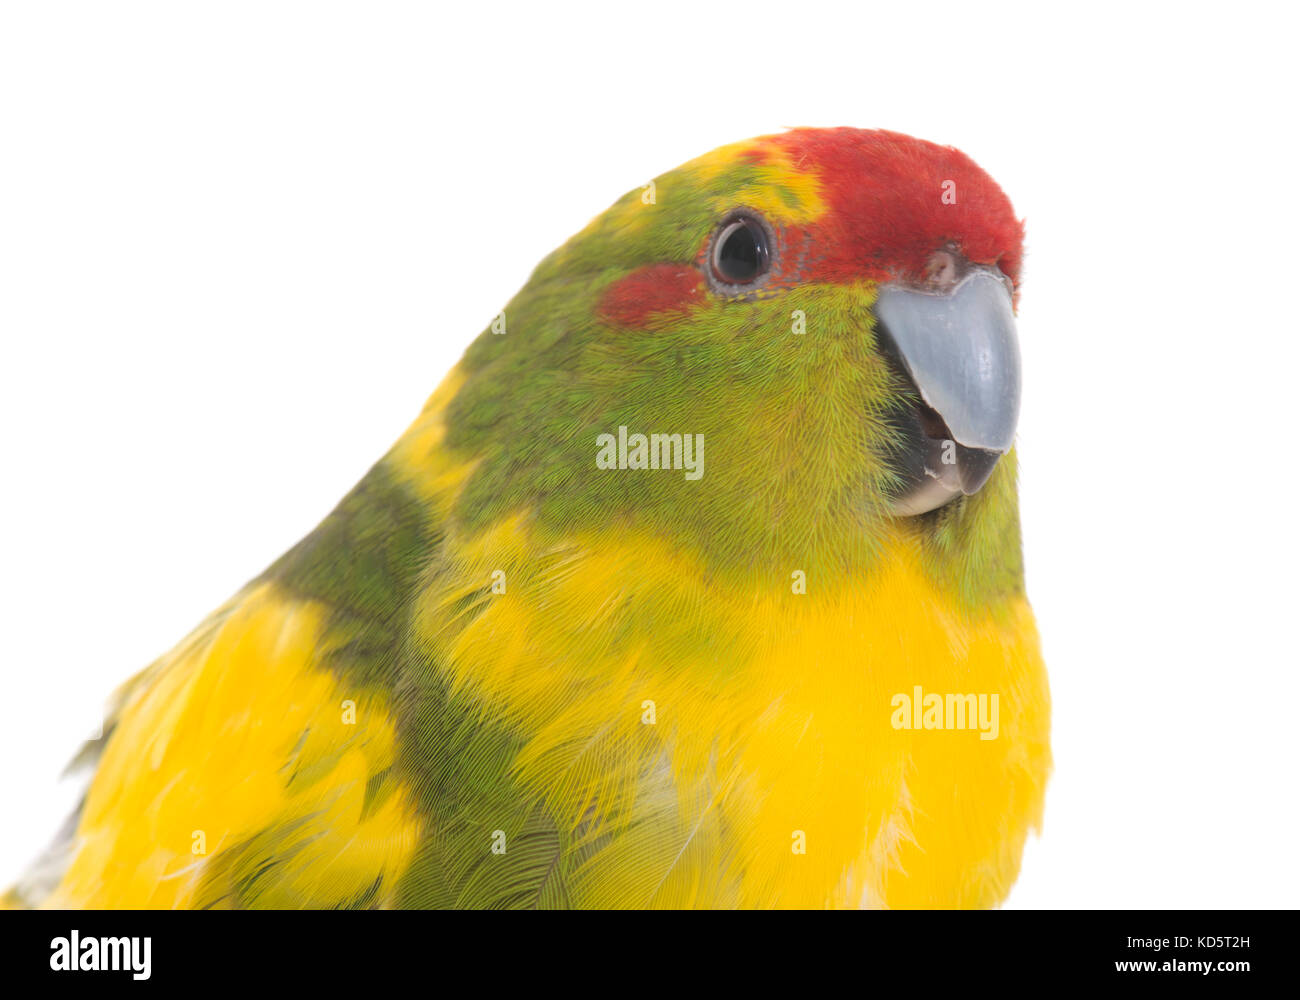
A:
(235, 736)
(761, 732)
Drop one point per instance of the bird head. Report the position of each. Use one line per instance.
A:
(828, 313)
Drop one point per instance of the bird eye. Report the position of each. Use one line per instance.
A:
(741, 251)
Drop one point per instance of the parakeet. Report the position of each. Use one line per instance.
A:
(696, 583)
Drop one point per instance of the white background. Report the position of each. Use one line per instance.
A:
(241, 242)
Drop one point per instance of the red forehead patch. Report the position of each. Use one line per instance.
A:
(894, 200)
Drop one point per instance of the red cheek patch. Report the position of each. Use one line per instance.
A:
(657, 288)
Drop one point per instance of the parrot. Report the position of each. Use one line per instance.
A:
(696, 583)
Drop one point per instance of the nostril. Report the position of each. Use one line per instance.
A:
(943, 270)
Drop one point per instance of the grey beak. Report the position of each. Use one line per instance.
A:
(960, 349)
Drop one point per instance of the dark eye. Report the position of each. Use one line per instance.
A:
(740, 251)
